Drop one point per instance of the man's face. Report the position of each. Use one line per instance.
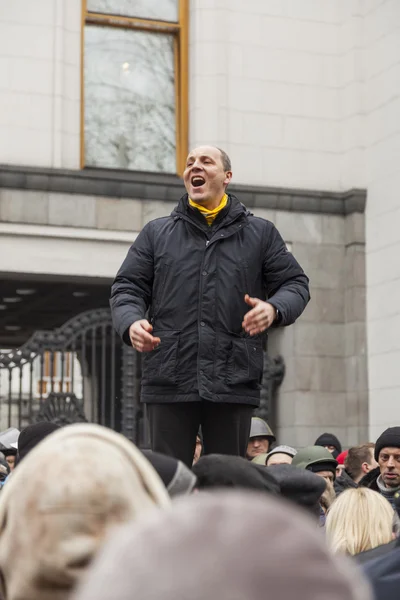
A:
(327, 475)
(11, 461)
(280, 458)
(256, 446)
(339, 470)
(204, 176)
(389, 463)
(330, 448)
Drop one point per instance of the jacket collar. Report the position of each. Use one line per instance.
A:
(233, 210)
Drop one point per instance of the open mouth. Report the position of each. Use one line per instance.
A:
(197, 181)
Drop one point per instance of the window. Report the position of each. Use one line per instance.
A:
(135, 85)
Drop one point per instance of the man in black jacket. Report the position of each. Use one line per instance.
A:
(214, 278)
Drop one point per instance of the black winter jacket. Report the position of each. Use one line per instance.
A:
(192, 279)
(384, 574)
(344, 482)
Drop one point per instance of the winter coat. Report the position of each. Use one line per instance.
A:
(384, 574)
(193, 278)
(369, 480)
(344, 482)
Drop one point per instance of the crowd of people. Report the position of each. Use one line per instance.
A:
(86, 515)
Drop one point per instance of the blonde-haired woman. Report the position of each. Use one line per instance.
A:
(359, 520)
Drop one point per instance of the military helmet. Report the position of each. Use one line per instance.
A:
(260, 428)
(313, 455)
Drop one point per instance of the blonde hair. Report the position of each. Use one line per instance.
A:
(358, 520)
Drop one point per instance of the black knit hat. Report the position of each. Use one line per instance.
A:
(328, 439)
(389, 438)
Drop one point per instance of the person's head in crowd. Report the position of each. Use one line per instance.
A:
(317, 459)
(340, 460)
(11, 457)
(387, 455)
(221, 471)
(4, 470)
(359, 461)
(246, 546)
(300, 486)
(198, 449)
(330, 442)
(32, 435)
(280, 455)
(320, 461)
(8, 445)
(177, 477)
(360, 519)
(261, 438)
(54, 522)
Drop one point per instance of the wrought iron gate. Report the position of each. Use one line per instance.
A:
(83, 372)
(74, 373)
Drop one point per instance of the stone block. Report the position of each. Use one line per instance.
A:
(355, 339)
(323, 339)
(306, 374)
(356, 374)
(72, 210)
(357, 409)
(118, 214)
(325, 306)
(355, 274)
(20, 206)
(264, 213)
(281, 341)
(286, 409)
(304, 228)
(321, 408)
(323, 264)
(154, 209)
(355, 303)
(320, 374)
(333, 229)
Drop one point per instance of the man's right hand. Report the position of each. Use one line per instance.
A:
(141, 338)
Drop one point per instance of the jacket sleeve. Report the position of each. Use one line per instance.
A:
(131, 290)
(285, 281)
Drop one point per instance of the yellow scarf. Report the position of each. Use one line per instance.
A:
(210, 214)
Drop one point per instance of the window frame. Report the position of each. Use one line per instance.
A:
(181, 61)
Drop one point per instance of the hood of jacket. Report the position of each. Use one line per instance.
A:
(62, 502)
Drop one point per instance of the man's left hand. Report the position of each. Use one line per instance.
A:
(260, 318)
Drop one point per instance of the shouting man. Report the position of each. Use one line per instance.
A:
(214, 278)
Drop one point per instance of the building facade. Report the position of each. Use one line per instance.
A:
(99, 103)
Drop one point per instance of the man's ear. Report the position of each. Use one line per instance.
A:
(365, 467)
(228, 177)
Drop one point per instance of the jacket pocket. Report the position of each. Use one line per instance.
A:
(160, 289)
(160, 365)
(245, 363)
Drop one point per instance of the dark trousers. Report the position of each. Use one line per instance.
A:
(174, 426)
